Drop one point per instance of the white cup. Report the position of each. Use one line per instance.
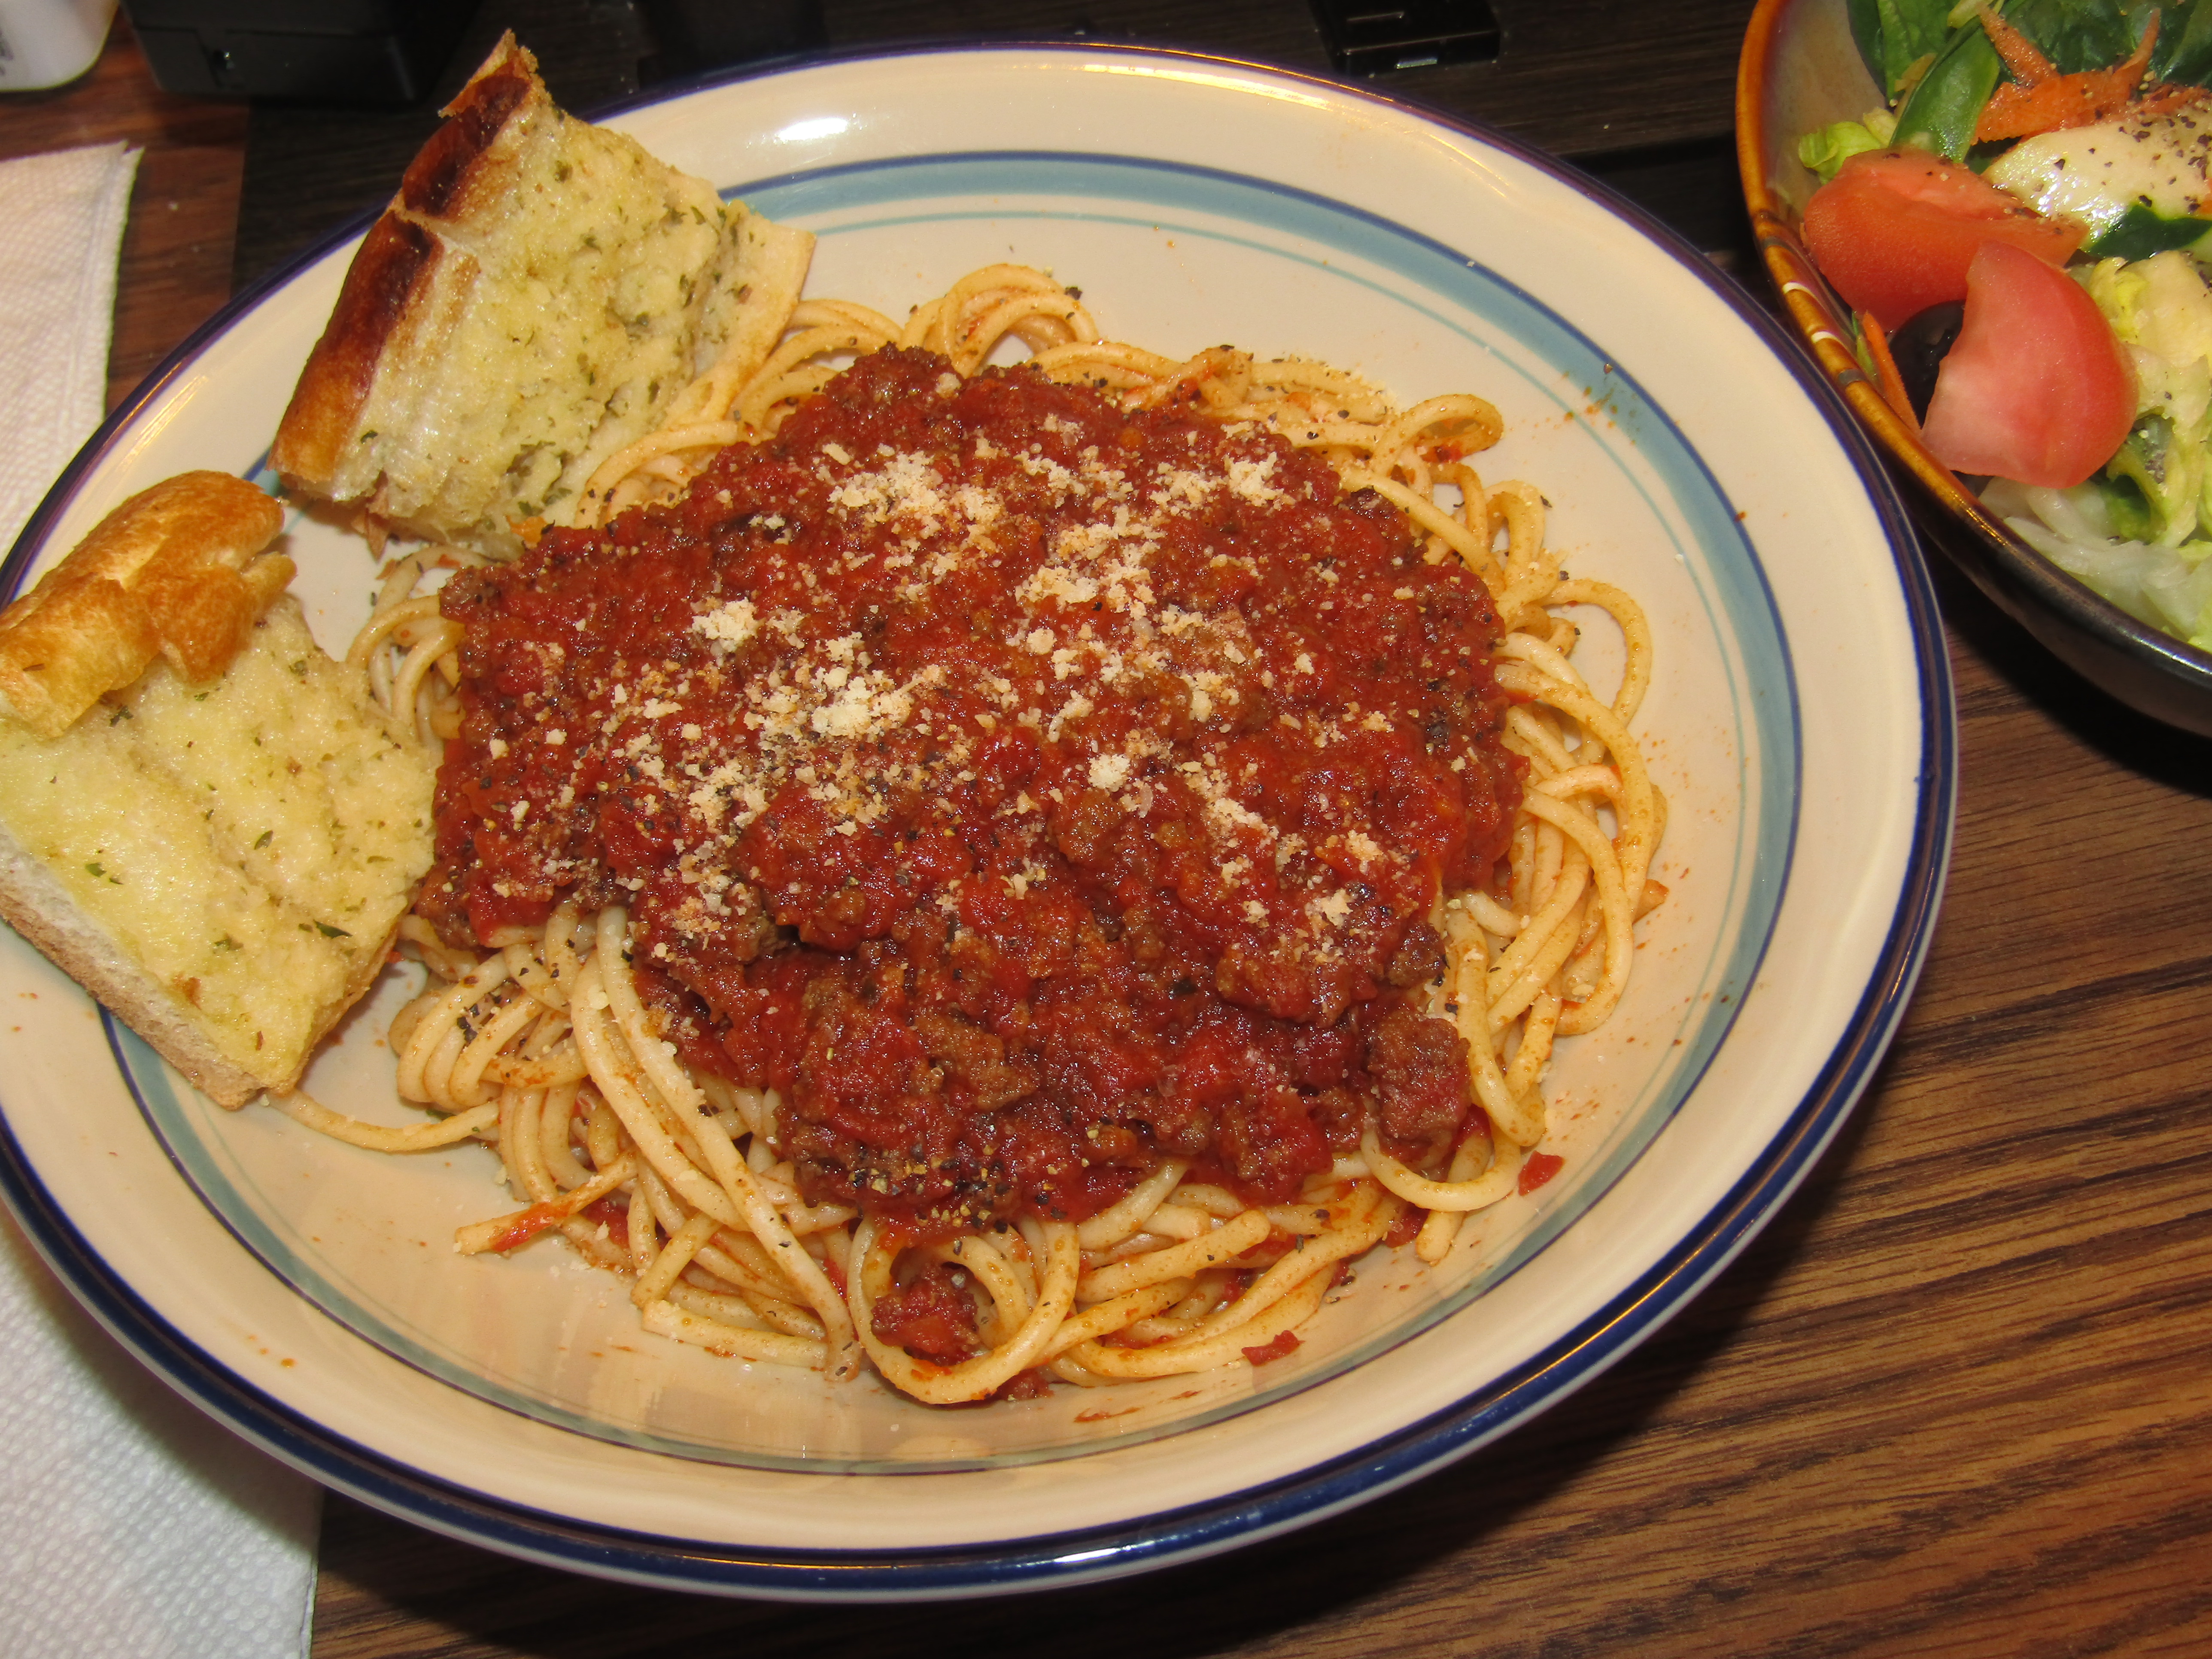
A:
(44, 43)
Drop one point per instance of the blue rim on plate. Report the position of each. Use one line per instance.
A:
(1192, 1531)
(1192, 203)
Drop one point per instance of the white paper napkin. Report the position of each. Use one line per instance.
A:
(63, 218)
(131, 1527)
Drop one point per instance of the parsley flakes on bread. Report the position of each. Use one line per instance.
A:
(204, 819)
(539, 295)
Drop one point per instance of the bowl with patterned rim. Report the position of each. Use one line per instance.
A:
(1800, 70)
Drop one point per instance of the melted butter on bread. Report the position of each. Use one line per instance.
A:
(536, 297)
(221, 857)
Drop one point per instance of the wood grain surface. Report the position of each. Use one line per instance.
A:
(1953, 1401)
(175, 271)
(1956, 1400)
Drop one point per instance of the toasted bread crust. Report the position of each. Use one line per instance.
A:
(539, 295)
(178, 570)
(444, 180)
(391, 276)
(396, 271)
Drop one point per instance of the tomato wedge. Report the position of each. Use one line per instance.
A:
(2036, 387)
(1894, 231)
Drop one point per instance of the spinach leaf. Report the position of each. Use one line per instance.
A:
(2090, 34)
(1866, 31)
(2183, 52)
(2087, 34)
(1941, 114)
(1893, 35)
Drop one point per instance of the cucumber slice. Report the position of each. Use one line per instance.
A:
(2140, 231)
(2099, 175)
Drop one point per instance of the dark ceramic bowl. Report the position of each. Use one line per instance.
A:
(1800, 70)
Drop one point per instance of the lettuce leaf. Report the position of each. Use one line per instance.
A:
(1826, 150)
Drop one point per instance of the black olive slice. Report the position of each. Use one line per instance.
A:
(1919, 346)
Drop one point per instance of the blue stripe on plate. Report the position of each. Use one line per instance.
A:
(1454, 296)
(1233, 1518)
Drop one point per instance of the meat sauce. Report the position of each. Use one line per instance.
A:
(1028, 790)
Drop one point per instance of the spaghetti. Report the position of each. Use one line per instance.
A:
(1383, 994)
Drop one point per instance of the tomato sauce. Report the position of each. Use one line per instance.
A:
(1027, 789)
(932, 1316)
(1283, 1345)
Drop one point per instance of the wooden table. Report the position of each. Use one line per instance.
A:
(1957, 1398)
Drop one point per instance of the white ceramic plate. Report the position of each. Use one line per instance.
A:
(1800, 723)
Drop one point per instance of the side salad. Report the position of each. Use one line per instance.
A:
(2023, 230)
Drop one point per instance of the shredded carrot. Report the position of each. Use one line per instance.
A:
(2166, 98)
(2038, 99)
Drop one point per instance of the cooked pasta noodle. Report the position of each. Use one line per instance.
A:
(543, 1046)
